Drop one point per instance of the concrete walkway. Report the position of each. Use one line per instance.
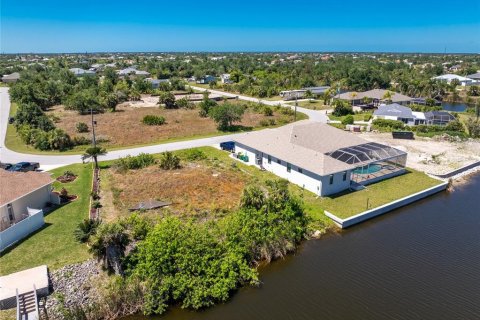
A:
(49, 162)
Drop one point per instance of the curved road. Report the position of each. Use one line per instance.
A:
(48, 162)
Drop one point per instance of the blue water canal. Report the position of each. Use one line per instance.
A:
(420, 262)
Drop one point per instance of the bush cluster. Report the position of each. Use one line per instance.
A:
(152, 120)
(388, 124)
(143, 160)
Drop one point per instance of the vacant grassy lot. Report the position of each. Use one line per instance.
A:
(54, 244)
(124, 127)
(202, 188)
(347, 204)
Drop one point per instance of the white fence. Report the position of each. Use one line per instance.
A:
(20, 230)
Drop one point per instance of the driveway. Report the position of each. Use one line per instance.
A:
(48, 162)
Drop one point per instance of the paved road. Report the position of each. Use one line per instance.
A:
(52, 161)
(314, 115)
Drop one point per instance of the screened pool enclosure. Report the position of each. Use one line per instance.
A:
(372, 160)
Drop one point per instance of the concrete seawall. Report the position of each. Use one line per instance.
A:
(458, 171)
(345, 223)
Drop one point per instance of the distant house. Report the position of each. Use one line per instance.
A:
(96, 67)
(448, 78)
(300, 93)
(375, 97)
(225, 78)
(155, 83)
(395, 111)
(79, 72)
(23, 195)
(206, 79)
(131, 71)
(439, 118)
(475, 76)
(319, 157)
(9, 78)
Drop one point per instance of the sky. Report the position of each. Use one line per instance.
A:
(56, 26)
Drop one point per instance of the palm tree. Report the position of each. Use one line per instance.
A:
(93, 153)
(388, 96)
(109, 244)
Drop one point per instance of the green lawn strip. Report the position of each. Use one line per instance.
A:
(54, 244)
(356, 116)
(345, 205)
(312, 104)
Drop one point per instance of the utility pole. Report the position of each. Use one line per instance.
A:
(94, 123)
(296, 105)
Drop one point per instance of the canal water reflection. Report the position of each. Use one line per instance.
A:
(418, 262)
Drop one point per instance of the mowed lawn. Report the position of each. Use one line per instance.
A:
(54, 244)
(348, 204)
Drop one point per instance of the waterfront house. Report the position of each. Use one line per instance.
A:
(23, 195)
(397, 112)
(439, 118)
(318, 157)
(373, 98)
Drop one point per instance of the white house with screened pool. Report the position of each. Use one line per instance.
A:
(320, 158)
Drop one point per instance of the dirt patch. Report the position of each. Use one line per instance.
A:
(125, 128)
(432, 155)
(196, 188)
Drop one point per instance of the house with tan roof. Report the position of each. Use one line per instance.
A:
(23, 196)
(318, 157)
(373, 98)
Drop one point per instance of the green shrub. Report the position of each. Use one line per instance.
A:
(267, 111)
(185, 103)
(264, 123)
(455, 126)
(386, 123)
(341, 108)
(169, 161)
(81, 127)
(152, 120)
(85, 229)
(348, 120)
(195, 154)
(129, 162)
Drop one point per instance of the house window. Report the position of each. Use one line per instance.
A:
(279, 161)
(345, 176)
(269, 159)
(11, 216)
(289, 167)
(300, 170)
(331, 179)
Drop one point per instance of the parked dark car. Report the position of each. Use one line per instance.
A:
(5, 166)
(24, 167)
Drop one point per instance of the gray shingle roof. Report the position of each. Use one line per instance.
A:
(394, 110)
(304, 144)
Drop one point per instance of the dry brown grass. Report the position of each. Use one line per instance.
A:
(125, 128)
(196, 188)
